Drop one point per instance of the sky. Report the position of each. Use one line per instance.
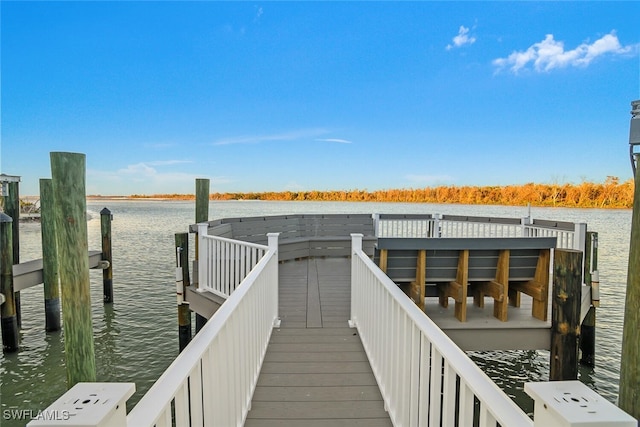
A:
(299, 96)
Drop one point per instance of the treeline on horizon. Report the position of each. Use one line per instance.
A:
(610, 194)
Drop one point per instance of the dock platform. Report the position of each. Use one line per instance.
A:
(316, 371)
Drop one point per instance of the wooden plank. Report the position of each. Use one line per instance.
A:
(319, 367)
(317, 394)
(334, 422)
(317, 380)
(324, 410)
(337, 356)
(314, 316)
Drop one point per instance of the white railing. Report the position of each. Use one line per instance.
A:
(398, 225)
(567, 239)
(456, 228)
(569, 235)
(214, 377)
(223, 263)
(416, 365)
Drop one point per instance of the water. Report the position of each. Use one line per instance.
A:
(136, 337)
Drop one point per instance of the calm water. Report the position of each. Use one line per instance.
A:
(136, 337)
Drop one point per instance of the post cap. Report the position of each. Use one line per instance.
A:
(105, 211)
(572, 404)
(634, 131)
(9, 178)
(5, 218)
(87, 404)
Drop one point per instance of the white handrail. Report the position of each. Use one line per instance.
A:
(438, 226)
(214, 377)
(415, 364)
(223, 263)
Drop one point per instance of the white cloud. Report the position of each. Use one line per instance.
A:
(463, 38)
(337, 140)
(549, 54)
(259, 12)
(285, 136)
(145, 178)
(168, 162)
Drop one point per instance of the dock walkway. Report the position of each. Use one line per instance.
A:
(316, 372)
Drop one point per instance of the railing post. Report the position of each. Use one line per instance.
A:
(524, 222)
(272, 242)
(356, 246)
(203, 249)
(90, 405)
(202, 215)
(436, 226)
(580, 236)
(376, 224)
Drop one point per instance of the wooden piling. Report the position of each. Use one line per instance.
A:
(588, 327)
(182, 264)
(49, 258)
(565, 314)
(9, 321)
(12, 208)
(107, 273)
(629, 398)
(202, 215)
(68, 175)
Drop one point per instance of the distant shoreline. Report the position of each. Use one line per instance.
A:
(611, 194)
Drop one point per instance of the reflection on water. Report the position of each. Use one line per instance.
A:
(136, 337)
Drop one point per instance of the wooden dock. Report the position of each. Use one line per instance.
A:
(315, 371)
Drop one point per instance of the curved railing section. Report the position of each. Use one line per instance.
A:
(569, 235)
(214, 377)
(424, 378)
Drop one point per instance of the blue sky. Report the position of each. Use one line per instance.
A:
(275, 96)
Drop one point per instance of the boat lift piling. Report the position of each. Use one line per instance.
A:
(202, 215)
(10, 336)
(107, 257)
(629, 399)
(50, 274)
(70, 215)
(10, 186)
(182, 281)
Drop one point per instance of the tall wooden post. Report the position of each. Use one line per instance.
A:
(182, 281)
(9, 321)
(49, 258)
(107, 273)
(565, 314)
(629, 399)
(68, 175)
(588, 328)
(12, 208)
(202, 215)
